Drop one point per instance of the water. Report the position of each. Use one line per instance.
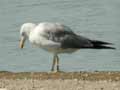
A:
(96, 19)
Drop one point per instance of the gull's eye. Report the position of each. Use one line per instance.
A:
(23, 34)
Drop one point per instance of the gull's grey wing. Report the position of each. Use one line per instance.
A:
(58, 34)
(69, 39)
(75, 41)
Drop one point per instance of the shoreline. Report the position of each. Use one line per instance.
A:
(97, 75)
(59, 81)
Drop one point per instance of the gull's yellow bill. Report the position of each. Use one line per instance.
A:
(21, 43)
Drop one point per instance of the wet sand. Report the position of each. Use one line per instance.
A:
(60, 81)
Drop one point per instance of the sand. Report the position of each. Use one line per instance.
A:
(60, 81)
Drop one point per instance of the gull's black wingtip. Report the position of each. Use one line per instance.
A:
(101, 45)
(107, 47)
(101, 42)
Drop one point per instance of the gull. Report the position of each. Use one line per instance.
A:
(57, 38)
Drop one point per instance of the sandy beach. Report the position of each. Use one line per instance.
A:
(60, 81)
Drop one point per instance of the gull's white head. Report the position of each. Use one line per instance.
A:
(24, 32)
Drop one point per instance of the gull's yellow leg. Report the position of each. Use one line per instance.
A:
(57, 62)
(53, 65)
